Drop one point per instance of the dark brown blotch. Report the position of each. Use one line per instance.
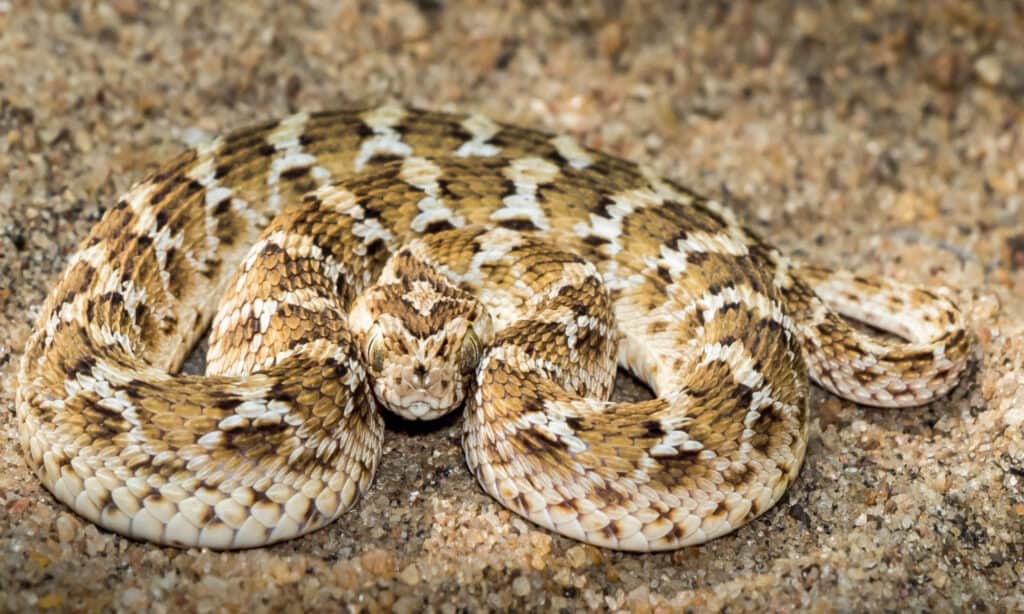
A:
(438, 226)
(519, 224)
(382, 158)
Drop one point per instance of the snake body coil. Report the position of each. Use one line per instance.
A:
(426, 260)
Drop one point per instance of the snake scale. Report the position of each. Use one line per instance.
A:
(426, 261)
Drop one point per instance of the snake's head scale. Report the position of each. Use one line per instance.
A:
(421, 338)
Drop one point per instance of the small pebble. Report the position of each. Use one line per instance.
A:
(410, 575)
(639, 599)
(285, 573)
(67, 528)
(133, 598)
(126, 8)
(378, 562)
(989, 69)
(406, 605)
(52, 600)
(521, 586)
(346, 575)
(577, 556)
(215, 584)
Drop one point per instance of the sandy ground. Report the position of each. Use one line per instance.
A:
(882, 138)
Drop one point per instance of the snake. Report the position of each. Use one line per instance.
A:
(350, 262)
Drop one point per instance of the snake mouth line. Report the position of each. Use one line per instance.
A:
(421, 410)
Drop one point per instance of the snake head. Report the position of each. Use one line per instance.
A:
(421, 338)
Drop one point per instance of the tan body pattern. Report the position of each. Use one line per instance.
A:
(283, 434)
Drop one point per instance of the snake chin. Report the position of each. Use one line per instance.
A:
(421, 410)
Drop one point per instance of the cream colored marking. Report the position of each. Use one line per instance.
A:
(422, 296)
(285, 139)
(553, 428)
(610, 228)
(423, 174)
(570, 149)
(386, 140)
(481, 129)
(528, 174)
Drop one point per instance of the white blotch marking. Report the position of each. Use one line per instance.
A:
(783, 266)
(741, 364)
(527, 174)
(481, 129)
(286, 135)
(755, 302)
(241, 305)
(424, 174)
(285, 139)
(338, 200)
(731, 242)
(610, 228)
(386, 139)
(367, 229)
(552, 428)
(204, 172)
(570, 149)
(422, 296)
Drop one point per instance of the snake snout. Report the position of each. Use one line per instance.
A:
(420, 376)
(420, 389)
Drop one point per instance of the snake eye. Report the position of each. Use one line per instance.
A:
(375, 352)
(470, 350)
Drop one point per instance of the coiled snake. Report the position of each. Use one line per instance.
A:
(427, 261)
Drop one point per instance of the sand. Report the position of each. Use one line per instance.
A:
(886, 138)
